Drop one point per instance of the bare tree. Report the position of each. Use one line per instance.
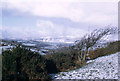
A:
(90, 40)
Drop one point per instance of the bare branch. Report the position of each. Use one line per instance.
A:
(90, 40)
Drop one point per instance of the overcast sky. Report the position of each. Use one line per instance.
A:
(35, 19)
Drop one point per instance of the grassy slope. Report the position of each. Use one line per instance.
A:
(113, 47)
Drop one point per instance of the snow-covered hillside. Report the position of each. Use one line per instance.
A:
(105, 67)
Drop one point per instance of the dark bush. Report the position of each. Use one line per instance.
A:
(21, 63)
(65, 59)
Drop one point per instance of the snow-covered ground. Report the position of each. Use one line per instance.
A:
(105, 67)
(6, 47)
(35, 50)
(28, 44)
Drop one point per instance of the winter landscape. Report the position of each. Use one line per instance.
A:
(59, 40)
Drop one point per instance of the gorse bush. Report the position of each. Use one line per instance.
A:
(65, 58)
(63, 61)
(21, 63)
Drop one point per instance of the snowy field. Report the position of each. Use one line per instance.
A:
(105, 67)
